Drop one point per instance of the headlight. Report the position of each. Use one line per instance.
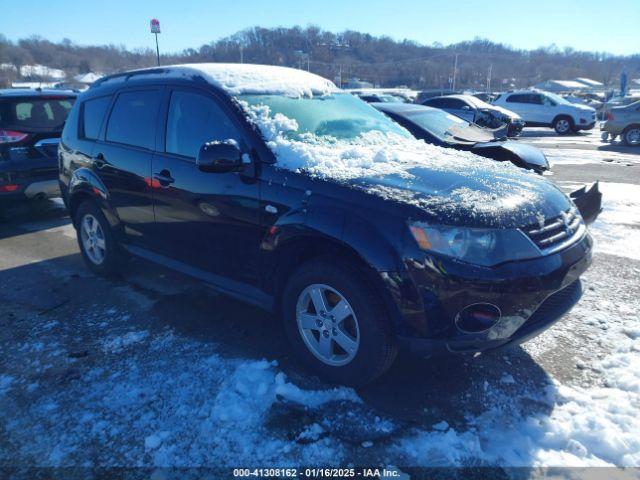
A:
(479, 246)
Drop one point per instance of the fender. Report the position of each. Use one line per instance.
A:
(340, 227)
(85, 182)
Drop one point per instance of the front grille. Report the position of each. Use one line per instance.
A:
(554, 231)
(556, 305)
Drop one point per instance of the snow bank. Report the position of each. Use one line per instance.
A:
(261, 79)
(616, 230)
(586, 427)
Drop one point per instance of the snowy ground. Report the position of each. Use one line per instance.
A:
(155, 370)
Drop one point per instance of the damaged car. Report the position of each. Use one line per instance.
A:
(275, 187)
(483, 114)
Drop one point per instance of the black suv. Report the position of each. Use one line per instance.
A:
(275, 187)
(31, 122)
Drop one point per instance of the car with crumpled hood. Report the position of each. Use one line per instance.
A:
(275, 187)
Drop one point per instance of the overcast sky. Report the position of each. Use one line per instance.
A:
(611, 25)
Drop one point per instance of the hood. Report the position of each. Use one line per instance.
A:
(583, 108)
(527, 153)
(512, 198)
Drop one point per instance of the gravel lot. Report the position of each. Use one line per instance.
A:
(156, 370)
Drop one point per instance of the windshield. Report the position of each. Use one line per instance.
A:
(339, 115)
(447, 127)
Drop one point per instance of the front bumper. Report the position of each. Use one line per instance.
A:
(531, 295)
(549, 312)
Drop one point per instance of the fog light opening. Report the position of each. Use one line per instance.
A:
(477, 318)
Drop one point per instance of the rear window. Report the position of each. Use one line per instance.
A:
(133, 118)
(35, 114)
(93, 112)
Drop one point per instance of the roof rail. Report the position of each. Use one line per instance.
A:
(127, 75)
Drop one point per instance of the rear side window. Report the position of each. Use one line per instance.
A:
(93, 112)
(133, 118)
(193, 120)
(35, 114)
(518, 98)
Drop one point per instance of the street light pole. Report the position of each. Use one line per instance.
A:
(455, 71)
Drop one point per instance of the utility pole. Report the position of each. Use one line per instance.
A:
(455, 71)
(241, 53)
(489, 79)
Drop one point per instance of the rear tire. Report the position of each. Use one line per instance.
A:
(97, 243)
(364, 328)
(631, 135)
(563, 125)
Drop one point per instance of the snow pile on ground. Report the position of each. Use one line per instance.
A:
(586, 426)
(617, 229)
(261, 79)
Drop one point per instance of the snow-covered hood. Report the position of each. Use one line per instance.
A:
(482, 197)
(441, 184)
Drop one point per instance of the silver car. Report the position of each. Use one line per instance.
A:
(623, 121)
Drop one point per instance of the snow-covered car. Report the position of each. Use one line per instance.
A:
(275, 187)
(474, 110)
(545, 109)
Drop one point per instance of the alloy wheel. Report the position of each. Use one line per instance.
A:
(93, 240)
(328, 325)
(563, 125)
(633, 136)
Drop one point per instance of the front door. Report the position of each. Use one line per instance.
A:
(122, 159)
(207, 220)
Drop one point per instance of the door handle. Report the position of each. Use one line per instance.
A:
(99, 161)
(164, 178)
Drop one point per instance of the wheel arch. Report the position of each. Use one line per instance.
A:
(86, 185)
(568, 116)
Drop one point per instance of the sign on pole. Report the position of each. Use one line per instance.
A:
(155, 29)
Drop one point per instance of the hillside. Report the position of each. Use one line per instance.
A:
(380, 60)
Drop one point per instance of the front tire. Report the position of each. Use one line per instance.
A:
(97, 242)
(336, 323)
(563, 125)
(631, 136)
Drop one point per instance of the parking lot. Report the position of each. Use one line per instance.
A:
(155, 369)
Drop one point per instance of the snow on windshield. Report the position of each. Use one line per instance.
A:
(479, 185)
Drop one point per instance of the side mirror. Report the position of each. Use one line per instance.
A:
(466, 107)
(219, 157)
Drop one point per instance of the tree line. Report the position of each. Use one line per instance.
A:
(380, 60)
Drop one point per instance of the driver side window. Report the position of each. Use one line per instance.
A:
(193, 120)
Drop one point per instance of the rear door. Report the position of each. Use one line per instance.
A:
(122, 159)
(207, 220)
(520, 103)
